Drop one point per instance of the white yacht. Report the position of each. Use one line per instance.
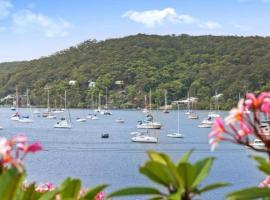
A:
(63, 124)
(193, 115)
(120, 120)
(175, 135)
(213, 114)
(257, 143)
(144, 138)
(80, 119)
(149, 125)
(205, 125)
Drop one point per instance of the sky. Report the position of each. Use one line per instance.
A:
(30, 29)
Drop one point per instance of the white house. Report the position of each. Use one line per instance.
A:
(72, 82)
(91, 84)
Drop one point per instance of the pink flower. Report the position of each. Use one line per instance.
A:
(236, 114)
(265, 183)
(34, 147)
(216, 134)
(100, 196)
(44, 187)
(244, 130)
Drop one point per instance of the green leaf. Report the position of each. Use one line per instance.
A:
(249, 193)
(51, 195)
(158, 173)
(90, 194)
(70, 188)
(10, 182)
(264, 166)
(135, 191)
(185, 157)
(213, 187)
(187, 173)
(202, 168)
(29, 193)
(164, 159)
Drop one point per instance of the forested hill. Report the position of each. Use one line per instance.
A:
(181, 64)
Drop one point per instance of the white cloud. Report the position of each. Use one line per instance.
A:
(26, 20)
(5, 7)
(151, 18)
(210, 25)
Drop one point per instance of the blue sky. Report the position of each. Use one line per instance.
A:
(33, 28)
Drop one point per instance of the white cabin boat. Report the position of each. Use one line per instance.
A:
(120, 120)
(175, 135)
(257, 143)
(63, 124)
(79, 119)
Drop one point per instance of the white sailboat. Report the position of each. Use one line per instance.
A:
(27, 118)
(149, 123)
(145, 110)
(165, 105)
(214, 113)
(65, 122)
(192, 114)
(177, 134)
(48, 114)
(16, 116)
(105, 111)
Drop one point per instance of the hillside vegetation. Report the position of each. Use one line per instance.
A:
(180, 64)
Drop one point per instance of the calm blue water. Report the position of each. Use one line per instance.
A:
(80, 152)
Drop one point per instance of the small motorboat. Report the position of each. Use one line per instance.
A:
(120, 120)
(258, 144)
(105, 135)
(25, 119)
(193, 116)
(15, 117)
(205, 125)
(79, 119)
(51, 116)
(1, 128)
(175, 135)
(12, 108)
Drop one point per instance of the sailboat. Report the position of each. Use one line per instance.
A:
(149, 122)
(16, 116)
(166, 106)
(192, 114)
(145, 110)
(177, 134)
(89, 115)
(65, 122)
(214, 113)
(48, 114)
(106, 111)
(26, 118)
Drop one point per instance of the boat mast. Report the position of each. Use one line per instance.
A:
(165, 99)
(150, 100)
(145, 102)
(106, 98)
(17, 99)
(48, 101)
(178, 117)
